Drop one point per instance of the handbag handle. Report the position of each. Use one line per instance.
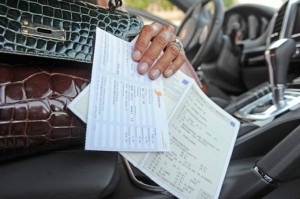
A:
(113, 6)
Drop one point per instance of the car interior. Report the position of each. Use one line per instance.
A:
(247, 58)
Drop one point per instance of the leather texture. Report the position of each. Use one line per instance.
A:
(33, 107)
(77, 20)
(35, 87)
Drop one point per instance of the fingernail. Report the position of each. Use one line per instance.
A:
(155, 73)
(142, 68)
(136, 55)
(168, 72)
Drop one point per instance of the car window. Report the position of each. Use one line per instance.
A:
(272, 3)
(166, 10)
(162, 9)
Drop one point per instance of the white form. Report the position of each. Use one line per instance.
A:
(126, 110)
(202, 140)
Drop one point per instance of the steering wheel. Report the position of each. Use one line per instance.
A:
(200, 29)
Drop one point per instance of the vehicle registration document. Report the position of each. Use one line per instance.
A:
(202, 137)
(126, 110)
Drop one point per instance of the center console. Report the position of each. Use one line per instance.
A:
(267, 151)
(280, 99)
(266, 154)
(270, 111)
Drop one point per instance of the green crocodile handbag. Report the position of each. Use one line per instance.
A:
(60, 29)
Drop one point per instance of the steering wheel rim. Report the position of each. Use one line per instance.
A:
(194, 49)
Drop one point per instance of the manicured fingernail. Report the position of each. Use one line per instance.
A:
(155, 73)
(142, 68)
(136, 55)
(168, 72)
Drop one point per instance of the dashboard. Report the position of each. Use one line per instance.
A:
(247, 21)
(254, 28)
(287, 24)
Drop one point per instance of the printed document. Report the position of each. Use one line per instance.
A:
(202, 139)
(126, 110)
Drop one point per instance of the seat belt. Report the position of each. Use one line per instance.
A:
(259, 179)
(280, 163)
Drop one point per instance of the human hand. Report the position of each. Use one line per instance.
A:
(154, 39)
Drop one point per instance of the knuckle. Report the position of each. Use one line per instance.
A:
(162, 40)
(149, 58)
(141, 44)
(147, 29)
(173, 50)
(161, 65)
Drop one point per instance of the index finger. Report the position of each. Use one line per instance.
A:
(144, 38)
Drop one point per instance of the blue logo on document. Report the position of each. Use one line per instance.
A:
(232, 124)
(185, 82)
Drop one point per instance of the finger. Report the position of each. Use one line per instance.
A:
(144, 39)
(164, 62)
(175, 65)
(159, 43)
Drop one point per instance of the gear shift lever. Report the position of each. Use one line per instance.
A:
(278, 57)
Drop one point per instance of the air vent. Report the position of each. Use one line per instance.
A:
(296, 28)
(296, 37)
(278, 23)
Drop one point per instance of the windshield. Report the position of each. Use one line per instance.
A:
(166, 9)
